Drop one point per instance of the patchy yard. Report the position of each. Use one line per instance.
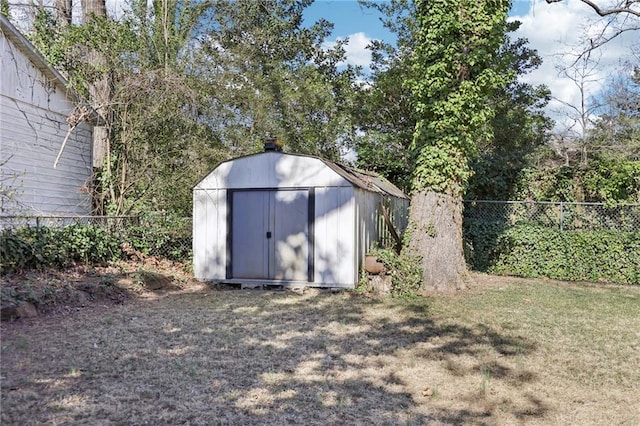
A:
(506, 352)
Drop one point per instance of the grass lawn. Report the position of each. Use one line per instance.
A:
(508, 351)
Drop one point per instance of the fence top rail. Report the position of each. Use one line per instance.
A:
(554, 203)
(65, 217)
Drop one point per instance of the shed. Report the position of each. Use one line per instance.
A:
(286, 219)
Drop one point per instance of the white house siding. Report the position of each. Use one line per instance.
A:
(33, 112)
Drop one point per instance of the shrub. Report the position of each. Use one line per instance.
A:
(405, 272)
(481, 242)
(35, 247)
(598, 256)
(15, 251)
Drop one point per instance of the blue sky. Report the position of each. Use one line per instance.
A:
(552, 29)
(349, 17)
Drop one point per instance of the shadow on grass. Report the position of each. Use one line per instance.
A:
(238, 357)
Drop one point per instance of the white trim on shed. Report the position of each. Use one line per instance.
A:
(277, 218)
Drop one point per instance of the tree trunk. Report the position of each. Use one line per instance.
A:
(435, 224)
(100, 94)
(64, 12)
(93, 7)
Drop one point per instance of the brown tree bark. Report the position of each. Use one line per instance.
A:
(100, 94)
(91, 8)
(100, 97)
(435, 223)
(64, 12)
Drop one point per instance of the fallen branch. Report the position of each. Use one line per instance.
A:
(66, 138)
(78, 115)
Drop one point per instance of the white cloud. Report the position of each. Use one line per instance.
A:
(356, 51)
(556, 31)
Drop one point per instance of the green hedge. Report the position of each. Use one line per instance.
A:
(31, 247)
(481, 242)
(533, 251)
(164, 236)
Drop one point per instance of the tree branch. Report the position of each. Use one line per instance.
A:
(625, 8)
(619, 19)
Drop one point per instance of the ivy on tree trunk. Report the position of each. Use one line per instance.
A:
(454, 77)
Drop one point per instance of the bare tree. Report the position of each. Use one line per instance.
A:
(616, 131)
(618, 17)
(625, 7)
(612, 19)
(585, 77)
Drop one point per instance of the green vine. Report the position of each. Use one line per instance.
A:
(534, 251)
(455, 74)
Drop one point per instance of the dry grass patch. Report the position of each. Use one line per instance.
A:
(516, 351)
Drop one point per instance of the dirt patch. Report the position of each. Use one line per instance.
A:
(33, 293)
(153, 281)
(23, 310)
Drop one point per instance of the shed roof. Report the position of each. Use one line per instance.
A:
(366, 180)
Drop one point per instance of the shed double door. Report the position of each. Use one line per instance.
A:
(270, 235)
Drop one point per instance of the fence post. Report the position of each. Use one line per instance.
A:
(38, 236)
(561, 216)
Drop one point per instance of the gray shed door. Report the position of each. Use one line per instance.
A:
(270, 234)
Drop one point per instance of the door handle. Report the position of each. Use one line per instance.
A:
(268, 234)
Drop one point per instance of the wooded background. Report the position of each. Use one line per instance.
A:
(183, 85)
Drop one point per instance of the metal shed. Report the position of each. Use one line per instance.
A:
(285, 219)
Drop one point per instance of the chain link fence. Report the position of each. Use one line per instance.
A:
(170, 237)
(115, 224)
(558, 215)
(158, 235)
